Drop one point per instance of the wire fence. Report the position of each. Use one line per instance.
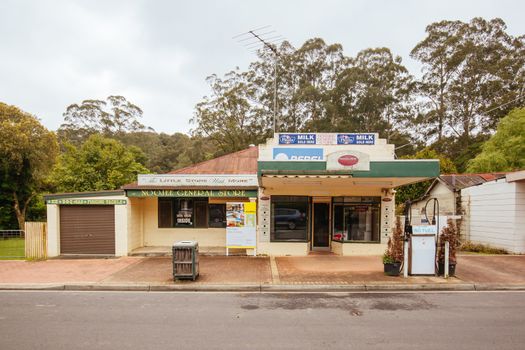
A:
(12, 244)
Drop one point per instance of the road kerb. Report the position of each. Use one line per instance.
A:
(422, 286)
(205, 287)
(498, 286)
(31, 286)
(313, 288)
(107, 287)
(196, 287)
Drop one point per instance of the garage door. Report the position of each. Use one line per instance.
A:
(87, 229)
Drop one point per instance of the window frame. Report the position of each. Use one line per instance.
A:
(342, 203)
(175, 203)
(307, 224)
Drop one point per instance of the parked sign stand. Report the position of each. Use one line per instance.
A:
(241, 226)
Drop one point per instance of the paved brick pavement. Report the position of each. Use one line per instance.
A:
(62, 270)
(333, 269)
(213, 270)
(491, 268)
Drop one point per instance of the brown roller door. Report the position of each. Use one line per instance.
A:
(87, 229)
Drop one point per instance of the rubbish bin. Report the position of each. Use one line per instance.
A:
(186, 260)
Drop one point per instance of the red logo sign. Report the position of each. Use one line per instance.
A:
(348, 160)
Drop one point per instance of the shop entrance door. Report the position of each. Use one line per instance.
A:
(321, 226)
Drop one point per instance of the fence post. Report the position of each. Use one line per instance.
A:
(446, 259)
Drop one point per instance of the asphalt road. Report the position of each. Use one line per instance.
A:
(136, 320)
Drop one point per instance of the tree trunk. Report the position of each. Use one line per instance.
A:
(20, 211)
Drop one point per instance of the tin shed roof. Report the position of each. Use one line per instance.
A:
(461, 181)
(240, 162)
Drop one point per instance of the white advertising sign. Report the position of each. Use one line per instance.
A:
(241, 225)
(201, 180)
(348, 160)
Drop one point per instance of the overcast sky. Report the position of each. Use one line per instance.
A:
(158, 53)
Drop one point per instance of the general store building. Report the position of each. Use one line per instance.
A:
(320, 191)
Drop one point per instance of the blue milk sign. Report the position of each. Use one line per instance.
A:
(355, 139)
(297, 139)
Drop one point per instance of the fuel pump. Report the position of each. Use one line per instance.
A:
(435, 214)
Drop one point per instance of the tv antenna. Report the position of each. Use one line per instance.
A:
(264, 38)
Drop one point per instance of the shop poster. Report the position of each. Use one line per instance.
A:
(241, 225)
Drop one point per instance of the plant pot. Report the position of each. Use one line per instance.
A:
(392, 269)
(451, 269)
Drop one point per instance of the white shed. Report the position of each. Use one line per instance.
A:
(494, 213)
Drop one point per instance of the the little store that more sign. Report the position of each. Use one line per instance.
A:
(202, 180)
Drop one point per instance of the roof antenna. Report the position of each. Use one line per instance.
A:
(266, 39)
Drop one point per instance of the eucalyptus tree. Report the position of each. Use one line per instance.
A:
(231, 116)
(473, 75)
(116, 115)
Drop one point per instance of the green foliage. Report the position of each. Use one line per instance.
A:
(456, 150)
(162, 152)
(228, 117)
(414, 191)
(27, 154)
(99, 164)
(505, 150)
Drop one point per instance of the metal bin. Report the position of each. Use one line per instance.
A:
(186, 260)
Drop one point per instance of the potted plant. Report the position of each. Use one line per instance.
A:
(393, 256)
(448, 234)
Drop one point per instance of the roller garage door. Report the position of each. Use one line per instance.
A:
(87, 229)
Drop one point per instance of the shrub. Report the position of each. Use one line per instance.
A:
(394, 251)
(469, 246)
(448, 234)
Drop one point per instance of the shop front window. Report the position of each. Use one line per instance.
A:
(289, 221)
(183, 212)
(217, 215)
(356, 219)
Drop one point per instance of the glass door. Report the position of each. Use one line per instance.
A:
(321, 226)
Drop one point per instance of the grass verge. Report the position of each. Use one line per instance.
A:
(12, 249)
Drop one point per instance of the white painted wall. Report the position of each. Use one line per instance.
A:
(155, 236)
(135, 223)
(496, 212)
(381, 151)
(53, 227)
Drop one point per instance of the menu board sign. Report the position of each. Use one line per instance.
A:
(241, 225)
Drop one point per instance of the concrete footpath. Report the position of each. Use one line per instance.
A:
(321, 273)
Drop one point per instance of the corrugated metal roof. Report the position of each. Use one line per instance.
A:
(241, 162)
(461, 181)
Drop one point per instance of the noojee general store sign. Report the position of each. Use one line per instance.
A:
(215, 181)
